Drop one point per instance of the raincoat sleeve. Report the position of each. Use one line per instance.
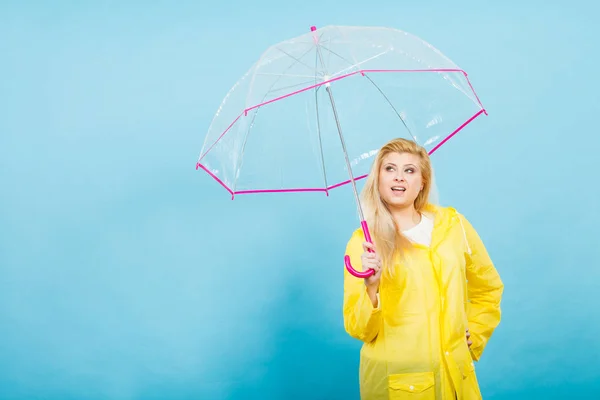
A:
(361, 319)
(484, 290)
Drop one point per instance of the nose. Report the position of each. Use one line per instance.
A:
(399, 177)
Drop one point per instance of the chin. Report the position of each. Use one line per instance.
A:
(398, 203)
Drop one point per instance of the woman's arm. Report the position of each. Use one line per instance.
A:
(362, 311)
(484, 289)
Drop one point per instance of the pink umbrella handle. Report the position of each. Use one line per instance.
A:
(358, 274)
(351, 270)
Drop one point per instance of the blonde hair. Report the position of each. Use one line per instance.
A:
(383, 228)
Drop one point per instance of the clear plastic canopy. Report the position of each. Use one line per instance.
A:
(276, 130)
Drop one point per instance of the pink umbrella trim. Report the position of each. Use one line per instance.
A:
(362, 72)
(327, 189)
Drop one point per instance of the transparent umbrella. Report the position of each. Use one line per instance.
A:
(312, 112)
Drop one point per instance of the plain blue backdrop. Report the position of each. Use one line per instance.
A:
(127, 274)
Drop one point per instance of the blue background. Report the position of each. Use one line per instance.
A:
(127, 274)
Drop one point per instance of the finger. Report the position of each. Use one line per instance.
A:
(368, 246)
(368, 263)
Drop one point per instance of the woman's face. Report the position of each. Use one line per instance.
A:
(400, 179)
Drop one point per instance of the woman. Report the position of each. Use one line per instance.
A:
(434, 301)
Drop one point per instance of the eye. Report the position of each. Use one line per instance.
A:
(389, 168)
(409, 170)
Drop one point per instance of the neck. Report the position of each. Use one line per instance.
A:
(406, 217)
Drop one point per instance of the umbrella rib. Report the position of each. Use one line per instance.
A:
(290, 75)
(294, 58)
(391, 105)
(303, 84)
(350, 63)
(356, 65)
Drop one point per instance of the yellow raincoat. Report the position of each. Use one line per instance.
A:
(414, 342)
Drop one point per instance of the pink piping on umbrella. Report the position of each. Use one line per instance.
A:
(475, 93)
(300, 91)
(327, 189)
(219, 138)
(457, 130)
(198, 165)
(362, 72)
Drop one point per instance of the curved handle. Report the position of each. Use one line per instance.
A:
(351, 270)
(358, 274)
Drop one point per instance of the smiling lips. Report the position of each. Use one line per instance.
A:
(398, 189)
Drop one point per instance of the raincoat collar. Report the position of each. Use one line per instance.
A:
(444, 218)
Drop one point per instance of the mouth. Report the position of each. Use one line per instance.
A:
(398, 189)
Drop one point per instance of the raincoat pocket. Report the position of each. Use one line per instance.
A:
(412, 386)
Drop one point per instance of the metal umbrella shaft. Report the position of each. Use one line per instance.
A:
(365, 228)
(339, 129)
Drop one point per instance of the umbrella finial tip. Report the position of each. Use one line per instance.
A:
(313, 28)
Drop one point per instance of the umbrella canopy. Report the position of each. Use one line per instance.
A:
(312, 112)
